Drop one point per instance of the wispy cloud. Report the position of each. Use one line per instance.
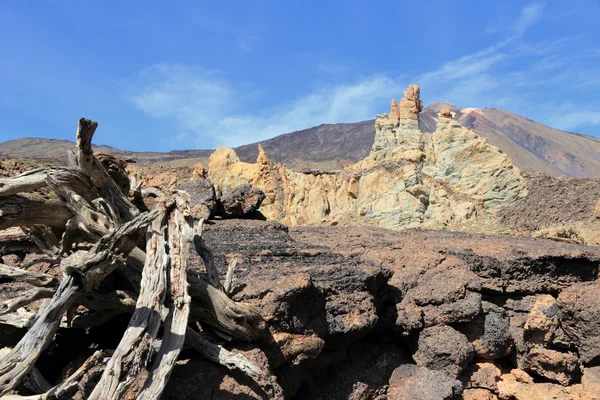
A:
(529, 16)
(202, 102)
(207, 109)
(248, 44)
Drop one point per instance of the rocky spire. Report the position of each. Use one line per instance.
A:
(394, 111)
(410, 107)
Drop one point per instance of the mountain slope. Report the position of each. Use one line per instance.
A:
(532, 146)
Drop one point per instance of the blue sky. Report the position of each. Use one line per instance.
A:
(163, 75)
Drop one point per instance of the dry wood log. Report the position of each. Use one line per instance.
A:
(220, 355)
(26, 182)
(91, 207)
(65, 389)
(126, 364)
(44, 239)
(213, 307)
(181, 228)
(15, 234)
(22, 275)
(101, 180)
(82, 272)
(21, 210)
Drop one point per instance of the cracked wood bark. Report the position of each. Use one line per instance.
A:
(22, 275)
(82, 271)
(89, 164)
(181, 228)
(126, 364)
(20, 210)
(26, 182)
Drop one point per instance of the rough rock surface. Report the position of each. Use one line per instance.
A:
(411, 382)
(202, 197)
(334, 301)
(410, 179)
(443, 348)
(489, 332)
(580, 307)
(553, 365)
(241, 202)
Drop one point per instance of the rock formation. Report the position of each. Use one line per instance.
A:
(410, 178)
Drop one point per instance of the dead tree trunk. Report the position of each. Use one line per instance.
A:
(101, 228)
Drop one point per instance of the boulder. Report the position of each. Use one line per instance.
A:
(443, 348)
(489, 332)
(543, 320)
(553, 365)
(241, 202)
(580, 318)
(412, 382)
(482, 375)
(203, 200)
(518, 385)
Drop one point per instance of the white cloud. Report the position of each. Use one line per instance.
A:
(571, 121)
(204, 103)
(529, 16)
(511, 74)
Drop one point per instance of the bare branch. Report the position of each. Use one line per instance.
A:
(180, 230)
(23, 275)
(29, 181)
(229, 276)
(26, 298)
(220, 355)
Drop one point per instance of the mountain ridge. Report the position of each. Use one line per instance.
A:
(533, 147)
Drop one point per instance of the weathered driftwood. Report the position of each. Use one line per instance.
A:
(27, 210)
(181, 228)
(29, 181)
(92, 210)
(67, 387)
(82, 272)
(220, 355)
(22, 275)
(26, 298)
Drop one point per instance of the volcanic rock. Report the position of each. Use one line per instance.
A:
(443, 348)
(489, 332)
(410, 179)
(241, 202)
(553, 365)
(202, 197)
(411, 382)
(543, 320)
(580, 319)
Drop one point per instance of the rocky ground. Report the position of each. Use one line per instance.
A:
(364, 313)
(369, 313)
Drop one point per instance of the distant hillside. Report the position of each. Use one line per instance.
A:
(532, 146)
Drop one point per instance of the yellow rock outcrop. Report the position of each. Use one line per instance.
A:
(410, 178)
